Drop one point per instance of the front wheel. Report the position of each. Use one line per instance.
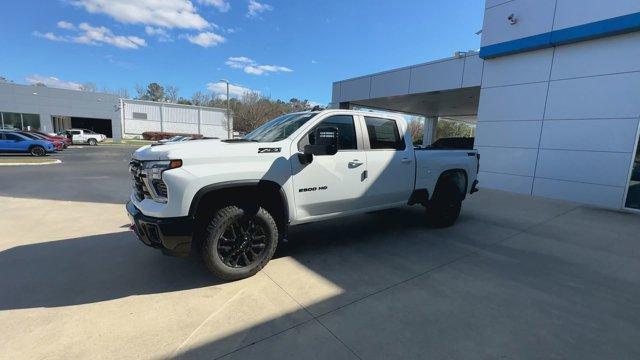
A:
(37, 151)
(93, 142)
(239, 242)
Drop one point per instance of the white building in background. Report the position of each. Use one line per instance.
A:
(51, 110)
(141, 116)
(554, 91)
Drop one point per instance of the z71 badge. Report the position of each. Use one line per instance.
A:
(268, 150)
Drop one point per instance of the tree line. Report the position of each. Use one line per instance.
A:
(249, 111)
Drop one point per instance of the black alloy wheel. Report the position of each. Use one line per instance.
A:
(239, 241)
(243, 243)
(38, 151)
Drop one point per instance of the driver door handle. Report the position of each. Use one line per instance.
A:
(405, 161)
(354, 163)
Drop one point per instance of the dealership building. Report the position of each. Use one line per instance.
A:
(554, 92)
(52, 110)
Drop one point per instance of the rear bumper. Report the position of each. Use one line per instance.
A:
(171, 235)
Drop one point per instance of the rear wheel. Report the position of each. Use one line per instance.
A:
(37, 150)
(93, 142)
(239, 241)
(444, 208)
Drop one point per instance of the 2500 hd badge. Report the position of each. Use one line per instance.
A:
(315, 188)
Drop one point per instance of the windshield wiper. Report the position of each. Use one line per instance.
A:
(240, 140)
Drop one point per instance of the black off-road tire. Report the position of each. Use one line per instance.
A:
(92, 142)
(444, 207)
(37, 150)
(220, 223)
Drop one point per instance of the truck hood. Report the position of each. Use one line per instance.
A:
(199, 150)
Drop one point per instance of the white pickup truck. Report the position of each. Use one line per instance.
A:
(84, 136)
(232, 201)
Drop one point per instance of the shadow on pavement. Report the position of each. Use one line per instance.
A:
(91, 269)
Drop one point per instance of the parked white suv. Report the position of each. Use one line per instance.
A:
(84, 136)
(232, 201)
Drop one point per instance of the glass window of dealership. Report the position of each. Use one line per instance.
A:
(633, 189)
(19, 121)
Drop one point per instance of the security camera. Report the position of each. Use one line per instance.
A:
(512, 19)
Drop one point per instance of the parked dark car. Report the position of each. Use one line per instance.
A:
(14, 142)
(58, 144)
(64, 139)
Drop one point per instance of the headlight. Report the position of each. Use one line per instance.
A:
(152, 175)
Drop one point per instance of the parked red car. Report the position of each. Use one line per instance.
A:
(57, 144)
(64, 139)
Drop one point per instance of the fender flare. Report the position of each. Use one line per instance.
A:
(200, 194)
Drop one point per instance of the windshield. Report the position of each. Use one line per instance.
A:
(279, 128)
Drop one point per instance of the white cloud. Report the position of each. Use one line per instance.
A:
(256, 8)
(160, 33)
(50, 36)
(205, 39)
(53, 82)
(91, 35)
(96, 35)
(66, 25)
(164, 13)
(239, 62)
(221, 5)
(250, 66)
(220, 89)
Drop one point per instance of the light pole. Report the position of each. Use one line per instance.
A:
(229, 130)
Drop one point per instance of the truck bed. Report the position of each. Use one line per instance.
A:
(431, 162)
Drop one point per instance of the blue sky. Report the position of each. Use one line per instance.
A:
(282, 49)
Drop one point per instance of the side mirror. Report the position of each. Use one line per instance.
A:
(326, 143)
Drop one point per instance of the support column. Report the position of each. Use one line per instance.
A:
(430, 128)
(199, 121)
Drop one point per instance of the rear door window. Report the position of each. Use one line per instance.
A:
(383, 134)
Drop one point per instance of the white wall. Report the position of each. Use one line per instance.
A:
(559, 122)
(210, 122)
(445, 74)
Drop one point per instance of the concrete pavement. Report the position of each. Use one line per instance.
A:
(516, 278)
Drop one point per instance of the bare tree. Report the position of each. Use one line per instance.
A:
(201, 99)
(171, 93)
(122, 93)
(415, 127)
(140, 91)
(88, 87)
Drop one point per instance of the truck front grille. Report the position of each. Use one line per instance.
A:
(139, 187)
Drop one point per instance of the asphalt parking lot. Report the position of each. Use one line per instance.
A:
(515, 278)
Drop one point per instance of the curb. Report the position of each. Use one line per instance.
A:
(49, 162)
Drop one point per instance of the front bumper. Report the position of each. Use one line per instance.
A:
(171, 235)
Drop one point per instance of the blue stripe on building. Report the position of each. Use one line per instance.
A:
(610, 27)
